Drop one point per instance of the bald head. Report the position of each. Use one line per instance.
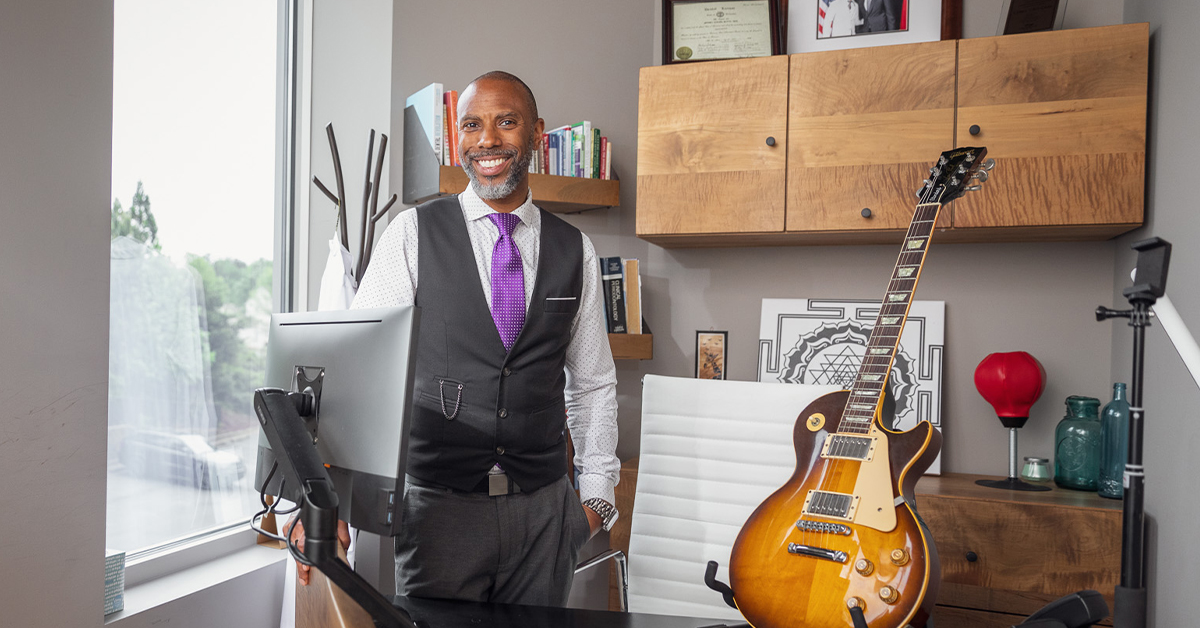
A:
(500, 75)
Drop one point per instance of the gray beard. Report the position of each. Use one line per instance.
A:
(504, 189)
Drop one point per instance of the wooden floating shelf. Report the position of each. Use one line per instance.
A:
(631, 346)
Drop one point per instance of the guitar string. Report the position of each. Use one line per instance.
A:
(830, 468)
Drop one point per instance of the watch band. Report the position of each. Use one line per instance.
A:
(608, 513)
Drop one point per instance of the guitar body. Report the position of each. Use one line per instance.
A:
(779, 585)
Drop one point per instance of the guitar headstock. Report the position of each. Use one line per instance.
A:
(956, 172)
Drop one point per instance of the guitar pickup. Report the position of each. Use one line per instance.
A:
(861, 448)
(836, 556)
(832, 505)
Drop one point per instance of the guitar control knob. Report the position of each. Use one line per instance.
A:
(900, 557)
(855, 602)
(889, 595)
(864, 566)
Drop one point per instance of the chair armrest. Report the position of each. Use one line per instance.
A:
(622, 571)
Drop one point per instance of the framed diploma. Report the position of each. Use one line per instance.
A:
(705, 30)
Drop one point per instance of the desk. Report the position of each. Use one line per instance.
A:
(450, 614)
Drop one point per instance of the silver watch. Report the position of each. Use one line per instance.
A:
(608, 513)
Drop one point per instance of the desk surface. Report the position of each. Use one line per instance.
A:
(450, 614)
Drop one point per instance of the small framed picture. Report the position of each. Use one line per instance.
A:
(1031, 16)
(842, 24)
(710, 354)
(707, 30)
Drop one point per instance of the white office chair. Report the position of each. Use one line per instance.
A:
(711, 452)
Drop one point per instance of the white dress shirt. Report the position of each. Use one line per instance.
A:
(591, 387)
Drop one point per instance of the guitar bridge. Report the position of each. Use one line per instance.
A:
(836, 556)
(822, 526)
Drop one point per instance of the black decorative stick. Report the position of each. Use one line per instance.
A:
(341, 186)
(370, 236)
(362, 231)
(321, 186)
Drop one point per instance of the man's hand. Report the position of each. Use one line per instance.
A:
(343, 533)
(594, 521)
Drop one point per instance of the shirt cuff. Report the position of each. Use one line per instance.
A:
(596, 485)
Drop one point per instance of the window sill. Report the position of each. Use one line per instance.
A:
(159, 580)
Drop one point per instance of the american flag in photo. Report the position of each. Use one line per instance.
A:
(822, 16)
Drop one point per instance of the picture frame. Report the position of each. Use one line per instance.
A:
(710, 354)
(1030, 16)
(711, 30)
(818, 25)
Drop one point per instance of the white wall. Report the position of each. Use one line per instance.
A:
(55, 121)
(1172, 431)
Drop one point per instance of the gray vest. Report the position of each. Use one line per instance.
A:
(475, 404)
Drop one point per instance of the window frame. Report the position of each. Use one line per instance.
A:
(292, 105)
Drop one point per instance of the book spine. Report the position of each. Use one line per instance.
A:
(595, 171)
(614, 294)
(604, 158)
(564, 152)
(586, 170)
(577, 149)
(545, 153)
(454, 159)
(439, 122)
(608, 163)
(633, 296)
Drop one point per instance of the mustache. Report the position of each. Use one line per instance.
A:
(496, 152)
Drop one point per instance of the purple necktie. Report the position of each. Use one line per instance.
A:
(508, 281)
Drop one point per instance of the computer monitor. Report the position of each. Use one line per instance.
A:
(360, 366)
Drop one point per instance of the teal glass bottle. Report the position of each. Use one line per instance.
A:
(1114, 444)
(1077, 445)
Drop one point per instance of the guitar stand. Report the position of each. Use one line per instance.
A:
(710, 580)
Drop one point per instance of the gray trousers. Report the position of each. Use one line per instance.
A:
(515, 549)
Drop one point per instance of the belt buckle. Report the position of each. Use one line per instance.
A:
(497, 484)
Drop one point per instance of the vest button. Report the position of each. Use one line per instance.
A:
(507, 371)
(503, 413)
(500, 451)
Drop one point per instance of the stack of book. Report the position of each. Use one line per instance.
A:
(114, 581)
(574, 150)
(621, 283)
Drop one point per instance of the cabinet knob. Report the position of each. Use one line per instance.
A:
(972, 557)
(866, 212)
(974, 130)
(770, 141)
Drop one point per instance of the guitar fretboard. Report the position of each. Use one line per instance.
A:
(867, 391)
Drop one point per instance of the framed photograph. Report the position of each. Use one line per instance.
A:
(1031, 16)
(840, 24)
(707, 30)
(710, 354)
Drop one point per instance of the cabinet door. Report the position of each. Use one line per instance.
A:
(705, 160)
(864, 126)
(1064, 115)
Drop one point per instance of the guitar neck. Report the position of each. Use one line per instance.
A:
(867, 392)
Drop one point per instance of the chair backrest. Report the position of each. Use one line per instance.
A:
(711, 452)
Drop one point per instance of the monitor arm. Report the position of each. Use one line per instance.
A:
(281, 414)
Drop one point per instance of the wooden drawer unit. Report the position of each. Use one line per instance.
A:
(1005, 554)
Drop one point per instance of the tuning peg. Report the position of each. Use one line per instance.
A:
(981, 176)
(989, 164)
(973, 188)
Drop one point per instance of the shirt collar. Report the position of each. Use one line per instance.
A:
(474, 208)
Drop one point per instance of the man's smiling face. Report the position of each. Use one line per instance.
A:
(497, 134)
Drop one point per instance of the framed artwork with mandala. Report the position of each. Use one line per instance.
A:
(710, 354)
(822, 341)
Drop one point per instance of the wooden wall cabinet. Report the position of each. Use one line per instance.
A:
(1062, 112)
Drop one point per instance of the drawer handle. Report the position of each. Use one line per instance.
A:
(974, 130)
(770, 141)
(972, 557)
(866, 212)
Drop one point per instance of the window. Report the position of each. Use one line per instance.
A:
(193, 224)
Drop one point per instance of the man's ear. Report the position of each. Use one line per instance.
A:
(539, 128)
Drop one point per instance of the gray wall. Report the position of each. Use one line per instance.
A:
(56, 125)
(1171, 397)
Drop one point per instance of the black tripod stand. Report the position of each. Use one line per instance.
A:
(1154, 255)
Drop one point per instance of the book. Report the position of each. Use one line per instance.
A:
(604, 158)
(608, 163)
(594, 171)
(445, 157)
(576, 169)
(428, 104)
(545, 169)
(614, 294)
(451, 100)
(633, 296)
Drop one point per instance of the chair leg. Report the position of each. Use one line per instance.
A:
(622, 571)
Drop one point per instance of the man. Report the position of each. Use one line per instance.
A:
(512, 349)
(879, 16)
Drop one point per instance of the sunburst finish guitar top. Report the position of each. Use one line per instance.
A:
(841, 539)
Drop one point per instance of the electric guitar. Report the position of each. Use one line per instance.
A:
(842, 534)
